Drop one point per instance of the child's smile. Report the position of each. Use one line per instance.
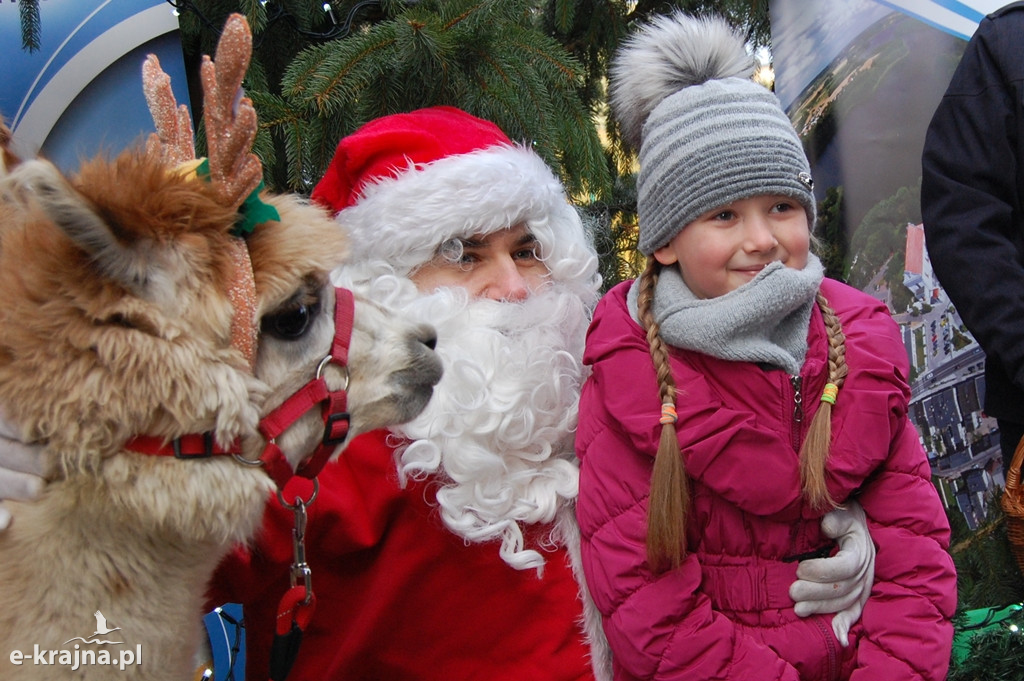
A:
(727, 247)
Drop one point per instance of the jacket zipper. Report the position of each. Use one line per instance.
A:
(798, 409)
(832, 654)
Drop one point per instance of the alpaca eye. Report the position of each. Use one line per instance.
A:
(290, 323)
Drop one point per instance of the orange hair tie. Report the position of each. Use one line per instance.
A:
(668, 414)
(830, 393)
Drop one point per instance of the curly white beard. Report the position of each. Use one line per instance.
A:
(498, 432)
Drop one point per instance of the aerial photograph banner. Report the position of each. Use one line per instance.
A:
(860, 80)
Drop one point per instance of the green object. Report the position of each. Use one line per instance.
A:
(974, 622)
(253, 210)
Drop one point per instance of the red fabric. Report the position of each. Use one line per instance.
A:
(385, 146)
(725, 613)
(399, 597)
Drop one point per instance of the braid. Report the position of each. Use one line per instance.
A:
(666, 511)
(814, 453)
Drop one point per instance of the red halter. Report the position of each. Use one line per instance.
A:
(333, 411)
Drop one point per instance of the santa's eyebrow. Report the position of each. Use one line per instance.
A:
(468, 242)
(527, 239)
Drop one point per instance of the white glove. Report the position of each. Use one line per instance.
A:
(840, 583)
(22, 467)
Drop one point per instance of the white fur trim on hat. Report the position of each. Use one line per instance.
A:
(403, 220)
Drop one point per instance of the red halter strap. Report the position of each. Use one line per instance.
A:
(194, 446)
(244, 330)
(334, 404)
(297, 605)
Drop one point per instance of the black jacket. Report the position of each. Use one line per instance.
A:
(972, 189)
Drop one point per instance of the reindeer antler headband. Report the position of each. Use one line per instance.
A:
(235, 173)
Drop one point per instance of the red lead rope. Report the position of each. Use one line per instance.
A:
(296, 607)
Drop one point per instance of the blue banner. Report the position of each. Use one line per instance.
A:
(81, 92)
(957, 17)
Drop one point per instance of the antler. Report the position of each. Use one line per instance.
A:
(230, 119)
(173, 139)
(235, 172)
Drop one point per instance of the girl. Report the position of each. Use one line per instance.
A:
(736, 396)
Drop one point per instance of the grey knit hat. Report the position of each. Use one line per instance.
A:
(706, 133)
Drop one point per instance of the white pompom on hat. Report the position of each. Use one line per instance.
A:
(706, 133)
(404, 184)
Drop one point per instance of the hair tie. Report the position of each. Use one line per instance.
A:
(830, 393)
(668, 414)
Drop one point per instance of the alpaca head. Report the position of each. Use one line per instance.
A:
(119, 319)
(136, 307)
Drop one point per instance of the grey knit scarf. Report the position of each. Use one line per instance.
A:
(764, 321)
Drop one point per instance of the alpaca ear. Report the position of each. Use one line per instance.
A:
(40, 183)
(8, 159)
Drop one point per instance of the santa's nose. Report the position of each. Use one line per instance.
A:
(507, 282)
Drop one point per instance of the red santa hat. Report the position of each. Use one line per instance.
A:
(387, 146)
(405, 183)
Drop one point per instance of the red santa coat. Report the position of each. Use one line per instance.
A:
(399, 596)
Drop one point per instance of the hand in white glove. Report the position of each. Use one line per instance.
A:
(22, 467)
(840, 583)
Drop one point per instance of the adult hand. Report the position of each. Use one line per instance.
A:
(22, 467)
(841, 583)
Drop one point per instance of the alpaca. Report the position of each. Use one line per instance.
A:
(125, 319)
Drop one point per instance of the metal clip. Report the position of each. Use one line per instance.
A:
(300, 568)
(300, 571)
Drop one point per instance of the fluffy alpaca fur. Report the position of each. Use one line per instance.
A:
(116, 322)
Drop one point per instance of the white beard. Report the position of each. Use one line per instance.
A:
(498, 432)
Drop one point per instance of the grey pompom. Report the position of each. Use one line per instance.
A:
(667, 54)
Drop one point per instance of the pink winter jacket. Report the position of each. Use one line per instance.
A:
(725, 613)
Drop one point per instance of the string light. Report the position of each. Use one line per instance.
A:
(275, 12)
(330, 13)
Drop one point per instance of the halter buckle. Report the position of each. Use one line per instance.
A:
(205, 453)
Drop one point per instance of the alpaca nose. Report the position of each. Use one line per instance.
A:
(426, 335)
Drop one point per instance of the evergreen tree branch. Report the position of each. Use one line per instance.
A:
(31, 24)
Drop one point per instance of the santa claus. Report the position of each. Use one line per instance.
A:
(447, 548)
